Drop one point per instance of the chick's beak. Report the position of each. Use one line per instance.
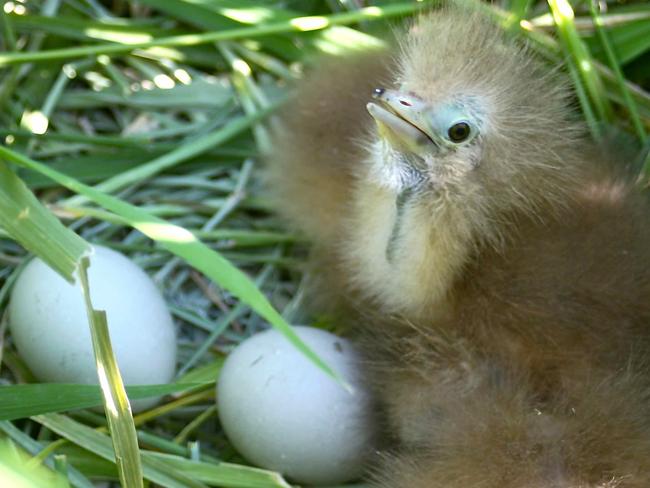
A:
(400, 120)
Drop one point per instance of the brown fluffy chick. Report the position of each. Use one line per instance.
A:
(496, 264)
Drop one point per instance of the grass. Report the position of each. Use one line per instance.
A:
(140, 127)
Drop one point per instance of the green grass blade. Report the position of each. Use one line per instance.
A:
(7, 30)
(17, 471)
(645, 171)
(82, 29)
(618, 73)
(196, 14)
(631, 40)
(116, 403)
(183, 153)
(200, 94)
(210, 471)
(519, 8)
(548, 47)
(100, 444)
(583, 99)
(564, 19)
(33, 447)
(90, 464)
(203, 374)
(298, 24)
(222, 474)
(26, 400)
(61, 467)
(24, 218)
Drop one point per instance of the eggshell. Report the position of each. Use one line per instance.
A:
(50, 328)
(283, 413)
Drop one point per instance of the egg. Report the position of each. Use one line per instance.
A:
(281, 412)
(49, 326)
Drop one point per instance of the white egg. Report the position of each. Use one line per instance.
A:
(48, 323)
(283, 413)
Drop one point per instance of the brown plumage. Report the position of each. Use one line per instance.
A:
(495, 263)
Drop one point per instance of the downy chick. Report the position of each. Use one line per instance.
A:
(494, 262)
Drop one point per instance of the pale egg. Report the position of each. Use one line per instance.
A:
(49, 326)
(283, 413)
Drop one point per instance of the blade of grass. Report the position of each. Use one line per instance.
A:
(583, 99)
(264, 61)
(92, 465)
(16, 470)
(519, 8)
(53, 96)
(116, 403)
(199, 94)
(170, 447)
(222, 474)
(174, 157)
(26, 400)
(631, 39)
(248, 93)
(216, 16)
(645, 171)
(49, 9)
(117, 141)
(549, 48)
(81, 29)
(202, 374)
(7, 31)
(100, 444)
(298, 24)
(33, 447)
(618, 73)
(169, 407)
(195, 14)
(61, 467)
(35, 228)
(563, 16)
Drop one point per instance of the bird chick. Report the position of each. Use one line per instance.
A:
(493, 261)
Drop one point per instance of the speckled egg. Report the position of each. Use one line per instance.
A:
(283, 413)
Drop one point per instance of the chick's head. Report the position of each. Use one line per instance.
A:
(473, 119)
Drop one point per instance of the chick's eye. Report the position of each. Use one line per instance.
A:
(459, 132)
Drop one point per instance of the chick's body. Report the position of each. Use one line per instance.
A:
(495, 264)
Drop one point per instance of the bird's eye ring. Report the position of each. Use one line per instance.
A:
(459, 132)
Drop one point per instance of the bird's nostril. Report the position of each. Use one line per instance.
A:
(377, 92)
(404, 102)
